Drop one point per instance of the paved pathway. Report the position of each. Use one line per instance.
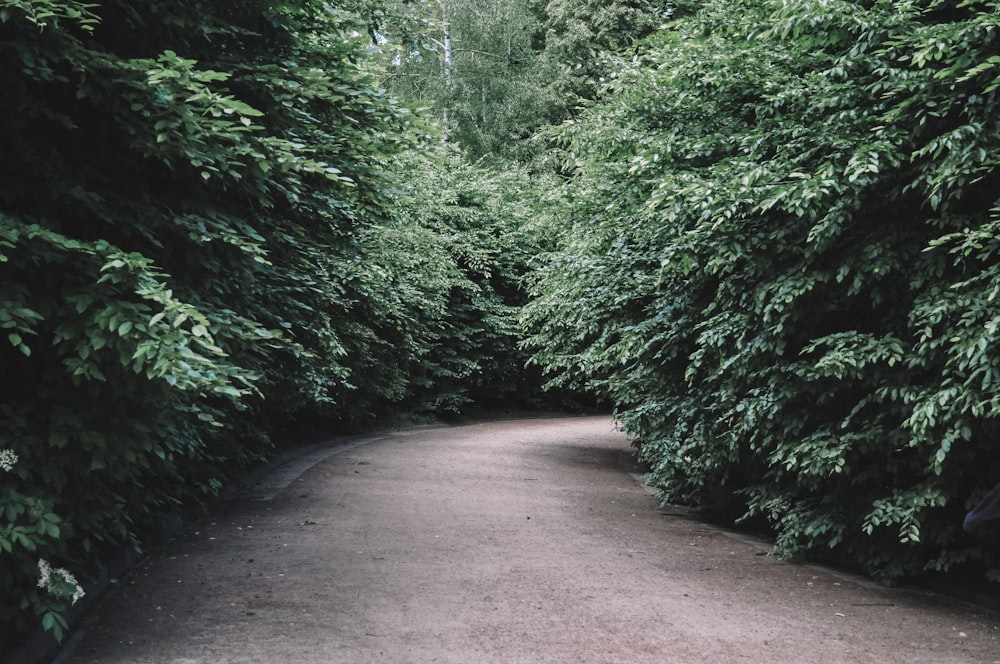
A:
(504, 543)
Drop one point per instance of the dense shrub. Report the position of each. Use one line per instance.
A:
(216, 230)
(779, 260)
(442, 278)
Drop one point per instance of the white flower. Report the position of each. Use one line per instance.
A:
(58, 581)
(44, 572)
(7, 460)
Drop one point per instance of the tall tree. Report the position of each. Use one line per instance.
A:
(475, 62)
(497, 72)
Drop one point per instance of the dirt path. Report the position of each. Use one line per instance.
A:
(511, 542)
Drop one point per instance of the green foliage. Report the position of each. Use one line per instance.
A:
(584, 37)
(216, 229)
(778, 259)
(475, 64)
(515, 67)
(188, 192)
(480, 222)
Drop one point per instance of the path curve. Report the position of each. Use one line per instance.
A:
(526, 541)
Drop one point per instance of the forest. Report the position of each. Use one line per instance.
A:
(765, 233)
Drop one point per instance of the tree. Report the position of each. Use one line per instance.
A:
(476, 63)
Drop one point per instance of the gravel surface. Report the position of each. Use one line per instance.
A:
(507, 542)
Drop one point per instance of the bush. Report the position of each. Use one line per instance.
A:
(780, 264)
(186, 186)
